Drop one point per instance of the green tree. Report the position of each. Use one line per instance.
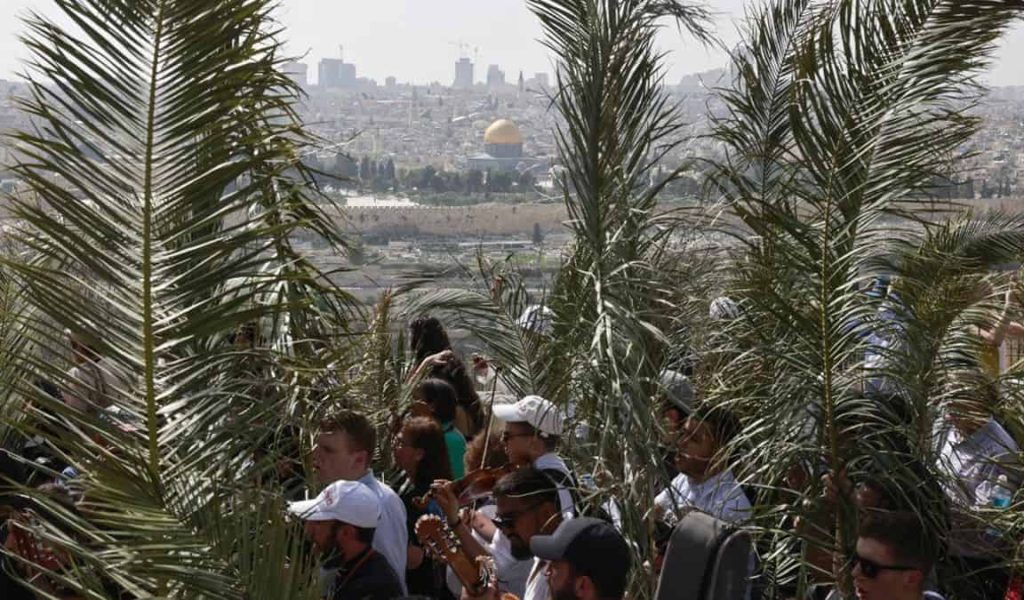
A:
(499, 182)
(156, 261)
(830, 145)
(525, 181)
(474, 181)
(538, 235)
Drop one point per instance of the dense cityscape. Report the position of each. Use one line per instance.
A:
(489, 137)
(428, 173)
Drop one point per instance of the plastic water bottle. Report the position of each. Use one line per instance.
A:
(999, 497)
(1001, 494)
(587, 483)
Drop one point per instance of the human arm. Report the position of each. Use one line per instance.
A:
(459, 523)
(434, 360)
(1004, 327)
(415, 557)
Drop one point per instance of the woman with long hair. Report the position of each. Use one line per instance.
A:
(420, 452)
(427, 336)
(434, 357)
(441, 398)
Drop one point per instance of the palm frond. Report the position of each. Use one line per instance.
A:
(165, 157)
(831, 133)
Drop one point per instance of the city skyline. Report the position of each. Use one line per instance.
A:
(419, 42)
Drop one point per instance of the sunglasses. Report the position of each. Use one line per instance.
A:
(872, 569)
(506, 436)
(509, 521)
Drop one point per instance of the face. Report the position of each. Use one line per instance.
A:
(520, 441)
(334, 458)
(696, 448)
(561, 580)
(406, 455)
(868, 496)
(672, 419)
(520, 520)
(322, 534)
(887, 584)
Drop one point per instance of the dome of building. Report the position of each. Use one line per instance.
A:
(503, 131)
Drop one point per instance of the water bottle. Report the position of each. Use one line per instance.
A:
(588, 483)
(1000, 497)
(1001, 494)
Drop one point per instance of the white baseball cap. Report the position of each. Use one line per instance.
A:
(537, 318)
(724, 308)
(534, 410)
(346, 501)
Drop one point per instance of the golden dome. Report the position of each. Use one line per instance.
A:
(503, 131)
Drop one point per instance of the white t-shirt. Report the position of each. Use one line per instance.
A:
(391, 538)
(537, 582)
(720, 496)
(552, 461)
(972, 466)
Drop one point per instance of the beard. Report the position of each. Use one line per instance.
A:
(565, 591)
(519, 549)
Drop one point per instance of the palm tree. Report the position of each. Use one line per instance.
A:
(164, 158)
(840, 115)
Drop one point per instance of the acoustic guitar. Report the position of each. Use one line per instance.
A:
(476, 576)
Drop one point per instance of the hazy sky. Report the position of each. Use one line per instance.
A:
(417, 40)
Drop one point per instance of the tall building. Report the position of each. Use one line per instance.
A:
(297, 72)
(336, 73)
(495, 76)
(390, 82)
(463, 74)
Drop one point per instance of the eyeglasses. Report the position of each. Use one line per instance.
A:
(508, 521)
(871, 569)
(506, 435)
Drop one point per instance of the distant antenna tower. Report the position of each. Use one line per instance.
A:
(341, 52)
(463, 48)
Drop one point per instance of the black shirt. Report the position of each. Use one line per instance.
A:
(429, 578)
(367, 577)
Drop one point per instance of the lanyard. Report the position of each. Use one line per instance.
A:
(354, 569)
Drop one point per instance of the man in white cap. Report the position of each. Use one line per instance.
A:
(533, 427)
(342, 521)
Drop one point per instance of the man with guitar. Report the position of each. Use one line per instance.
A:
(527, 506)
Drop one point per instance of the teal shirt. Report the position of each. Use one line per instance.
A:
(456, 444)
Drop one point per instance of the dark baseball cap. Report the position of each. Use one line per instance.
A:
(594, 549)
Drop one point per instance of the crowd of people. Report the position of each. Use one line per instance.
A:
(511, 504)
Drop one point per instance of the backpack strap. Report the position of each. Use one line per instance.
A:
(564, 481)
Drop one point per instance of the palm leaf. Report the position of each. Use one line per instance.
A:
(164, 154)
